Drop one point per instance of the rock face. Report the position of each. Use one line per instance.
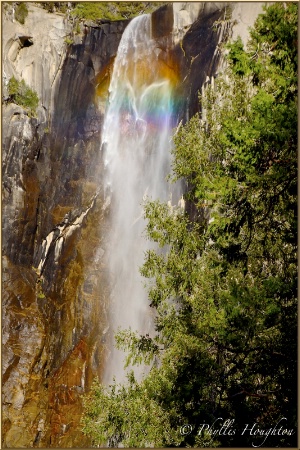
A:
(55, 289)
(53, 282)
(35, 51)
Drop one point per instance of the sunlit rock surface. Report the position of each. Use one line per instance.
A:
(35, 50)
(55, 289)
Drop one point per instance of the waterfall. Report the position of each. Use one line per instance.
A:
(136, 147)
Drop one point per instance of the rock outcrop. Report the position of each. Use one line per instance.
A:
(35, 51)
(55, 288)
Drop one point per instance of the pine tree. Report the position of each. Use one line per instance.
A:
(224, 280)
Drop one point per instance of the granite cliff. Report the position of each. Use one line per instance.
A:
(55, 287)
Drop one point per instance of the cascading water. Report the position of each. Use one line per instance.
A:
(136, 144)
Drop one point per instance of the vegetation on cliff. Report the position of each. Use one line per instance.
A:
(102, 10)
(22, 95)
(224, 280)
(21, 12)
(112, 10)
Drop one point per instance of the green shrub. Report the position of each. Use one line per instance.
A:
(68, 40)
(21, 12)
(13, 87)
(22, 95)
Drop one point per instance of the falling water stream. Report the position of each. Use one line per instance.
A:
(136, 146)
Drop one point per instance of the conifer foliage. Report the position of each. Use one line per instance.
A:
(224, 280)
